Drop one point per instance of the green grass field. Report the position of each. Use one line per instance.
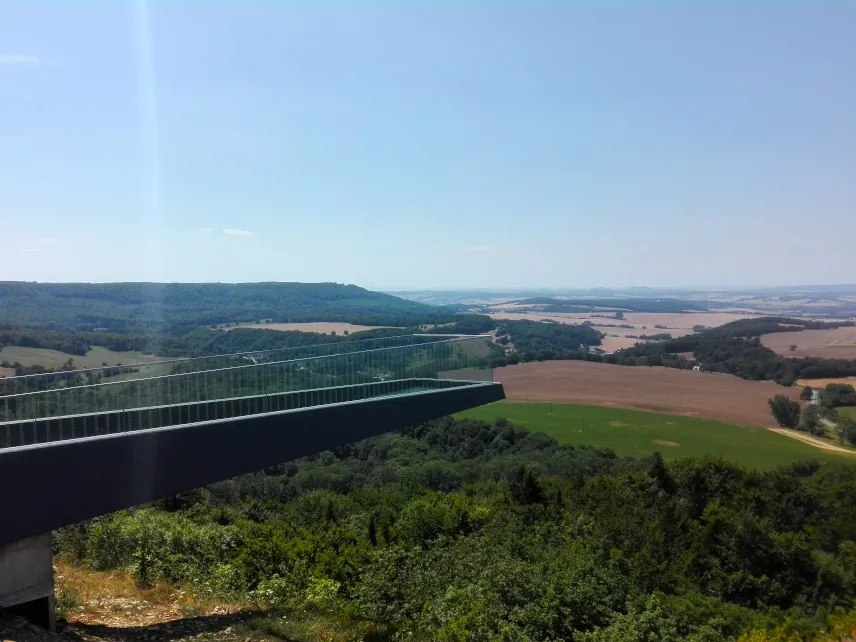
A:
(54, 358)
(638, 434)
(848, 411)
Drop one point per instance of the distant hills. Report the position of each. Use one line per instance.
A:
(159, 306)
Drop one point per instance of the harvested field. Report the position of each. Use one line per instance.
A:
(611, 344)
(673, 320)
(839, 343)
(322, 327)
(822, 383)
(679, 392)
(54, 358)
(676, 324)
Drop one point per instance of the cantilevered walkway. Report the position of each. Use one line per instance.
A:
(78, 444)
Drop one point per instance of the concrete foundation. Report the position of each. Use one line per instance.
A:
(26, 580)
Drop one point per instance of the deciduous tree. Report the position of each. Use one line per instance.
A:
(785, 411)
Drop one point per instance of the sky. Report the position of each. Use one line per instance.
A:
(429, 144)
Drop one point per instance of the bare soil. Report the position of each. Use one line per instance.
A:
(667, 390)
(839, 343)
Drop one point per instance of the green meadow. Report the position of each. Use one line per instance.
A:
(633, 433)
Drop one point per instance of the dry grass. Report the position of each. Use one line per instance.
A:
(611, 344)
(822, 383)
(321, 327)
(109, 607)
(839, 343)
(113, 599)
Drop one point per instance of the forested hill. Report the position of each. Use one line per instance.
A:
(155, 306)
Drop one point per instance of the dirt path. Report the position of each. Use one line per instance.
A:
(814, 441)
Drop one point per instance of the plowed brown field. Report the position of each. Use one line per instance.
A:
(680, 392)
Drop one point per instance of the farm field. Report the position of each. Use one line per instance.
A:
(611, 343)
(633, 433)
(322, 327)
(822, 383)
(666, 390)
(848, 412)
(54, 358)
(839, 343)
(676, 324)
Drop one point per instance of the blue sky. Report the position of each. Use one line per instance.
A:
(427, 144)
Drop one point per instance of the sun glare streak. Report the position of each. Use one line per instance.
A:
(149, 137)
(152, 213)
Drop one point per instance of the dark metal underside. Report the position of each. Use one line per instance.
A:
(45, 486)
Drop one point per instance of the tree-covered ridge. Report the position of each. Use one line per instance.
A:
(462, 530)
(529, 340)
(159, 306)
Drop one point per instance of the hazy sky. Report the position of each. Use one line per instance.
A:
(429, 144)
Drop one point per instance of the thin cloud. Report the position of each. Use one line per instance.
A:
(48, 240)
(17, 59)
(39, 250)
(233, 232)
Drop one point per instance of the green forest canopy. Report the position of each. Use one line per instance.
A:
(463, 530)
(159, 306)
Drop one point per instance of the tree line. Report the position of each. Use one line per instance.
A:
(735, 348)
(788, 413)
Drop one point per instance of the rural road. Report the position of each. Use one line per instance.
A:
(814, 441)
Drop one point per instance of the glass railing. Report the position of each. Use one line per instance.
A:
(230, 386)
(154, 368)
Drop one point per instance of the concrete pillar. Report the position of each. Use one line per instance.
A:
(26, 580)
